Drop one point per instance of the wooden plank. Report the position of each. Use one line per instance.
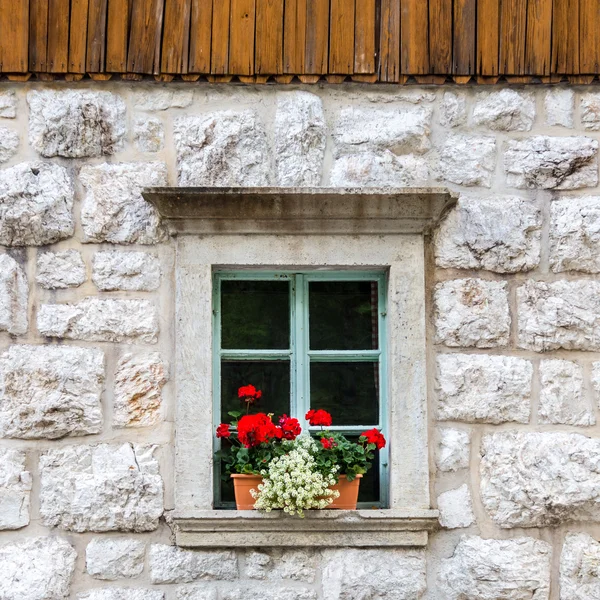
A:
(414, 37)
(38, 35)
(119, 13)
(513, 19)
(78, 36)
(440, 36)
(96, 36)
(14, 36)
(200, 36)
(269, 37)
(294, 36)
(565, 37)
(58, 36)
(341, 37)
(144, 37)
(539, 35)
(364, 37)
(317, 36)
(589, 36)
(463, 51)
(389, 41)
(176, 36)
(488, 37)
(241, 37)
(219, 59)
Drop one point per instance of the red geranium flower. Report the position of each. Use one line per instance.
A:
(253, 430)
(290, 427)
(223, 431)
(374, 436)
(327, 443)
(318, 417)
(249, 394)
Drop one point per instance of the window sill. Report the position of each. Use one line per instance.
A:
(323, 528)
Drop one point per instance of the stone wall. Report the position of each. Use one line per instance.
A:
(87, 397)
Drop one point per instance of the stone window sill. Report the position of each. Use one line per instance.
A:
(323, 528)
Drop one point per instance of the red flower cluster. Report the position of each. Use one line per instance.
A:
(223, 431)
(374, 436)
(254, 430)
(318, 417)
(249, 394)
(290, 427)
(328, 443)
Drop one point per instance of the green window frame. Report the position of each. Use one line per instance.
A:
(301, 357)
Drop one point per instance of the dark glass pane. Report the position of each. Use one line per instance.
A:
(349, 391)
(255, 315)
(369, 485)
(227, 494)
(343, 315)
(271, 377)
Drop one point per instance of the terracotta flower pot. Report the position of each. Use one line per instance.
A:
(242, 484)
(348, 493)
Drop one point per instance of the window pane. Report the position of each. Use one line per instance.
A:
(349, 391)
(271, 377)
(343, 315)
(255, 315)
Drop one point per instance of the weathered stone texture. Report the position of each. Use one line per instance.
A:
(76, 123)
(170, 564)
(128, 271)
(534, 479)
(162, 99)
(376, 170)
(114, 558)
(198, 592)
(9, 143)
(480, 388)
(575, 235)
(456, 508)
(580, 568)
(60, 270)
(453, 110)
(36, 569)
(453, 449)
(542, 162)
(278, 593)
(113, 209)
(356, 574)
(596, 381)
(472, 313)
(560, 106)
(590, 111)
(561, 395)
(15, 489)
(468, 159)
(36, 204)
(515, 569)
(222, 149)
(101, 488)
(505, 110)
(8, 104)
(100, 320)
(272, 565)
(14, 292)
(300, 137)
(148, 134)
(500, 234)
(560, 314)
(50, 391)
(121, 594)
(138, 384)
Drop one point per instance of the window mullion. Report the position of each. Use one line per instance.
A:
(300, 356)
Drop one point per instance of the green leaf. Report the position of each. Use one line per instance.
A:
(236, 414)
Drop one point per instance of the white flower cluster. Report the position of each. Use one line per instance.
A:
(292, 483)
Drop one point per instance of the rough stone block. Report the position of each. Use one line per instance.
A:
(560, 106)
(535, 479)
(480, 388)
(560, 314)
(505, 110)
(590, 111)
(453, 109)
(468, 159)
(542, 162)
(153, 99)
(148, 134)
(76, 123)
(50, 391)
(121, 594)
(472, 313)
(227, 148)
(138, 384)
(456, 508)
(38, 568)
(170, 564)
(60, 270)
(500, 234)
(108, 487)
(14, 292)
(8, 105)
(15, 489)
(127, 271)
(356, 573)
(100, 320)
(114, 558)
(515, 569)
(9, 143)
(195, 592)
(575, 235)
(300, 137)
(579, 572)
(36, 204)
(596, 380)
(113, 209)
(271, 565)
(278, 593)
(561, 395)
(453, 450)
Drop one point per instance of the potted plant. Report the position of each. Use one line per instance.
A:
(274, 466)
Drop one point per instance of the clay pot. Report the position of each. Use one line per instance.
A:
(348, 493)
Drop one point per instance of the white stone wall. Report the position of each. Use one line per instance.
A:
(87, 396)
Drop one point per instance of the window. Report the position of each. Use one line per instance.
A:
(307, 340)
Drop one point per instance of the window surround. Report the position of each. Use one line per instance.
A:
(301, 228)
